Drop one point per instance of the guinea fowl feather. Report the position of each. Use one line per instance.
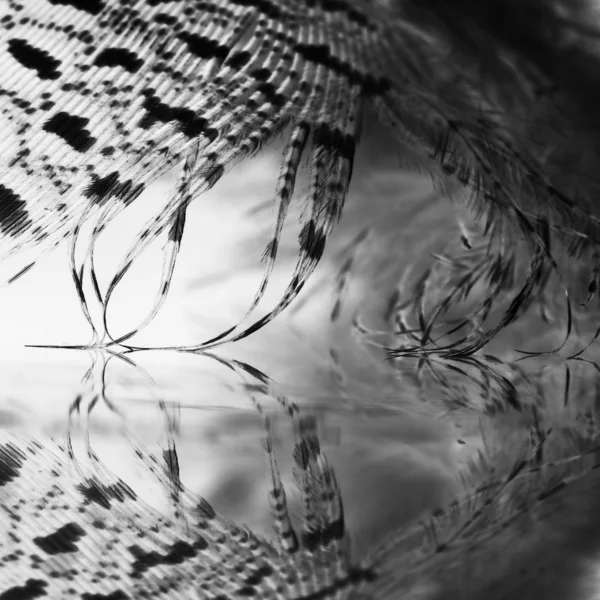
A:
(98, 116)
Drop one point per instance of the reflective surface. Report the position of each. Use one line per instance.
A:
(404, 435)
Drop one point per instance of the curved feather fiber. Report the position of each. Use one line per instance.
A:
(98, 99)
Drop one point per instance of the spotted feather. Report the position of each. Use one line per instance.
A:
(98, 99)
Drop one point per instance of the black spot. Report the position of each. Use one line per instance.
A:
(258, 575)
(324, 535)
(72, 130)
(261, 74)
(191, 124)
(35, 59)
(11, 461)
(237, 60)
(13, 212)
(248, 591)
(118, 595)
(94, 7)
(270, 91)
(62, 540)
(335, 140)
(165, 19)
(87, 38)
(94, 491)
(178, 553)
(312, 242)
(33, 588)
(119, 57)
(103, 188)
(204, 47)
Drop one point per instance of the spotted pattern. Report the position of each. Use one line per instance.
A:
(99, 98)
(87, 535)
(98, 91)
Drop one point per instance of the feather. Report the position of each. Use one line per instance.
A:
(98, 100)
